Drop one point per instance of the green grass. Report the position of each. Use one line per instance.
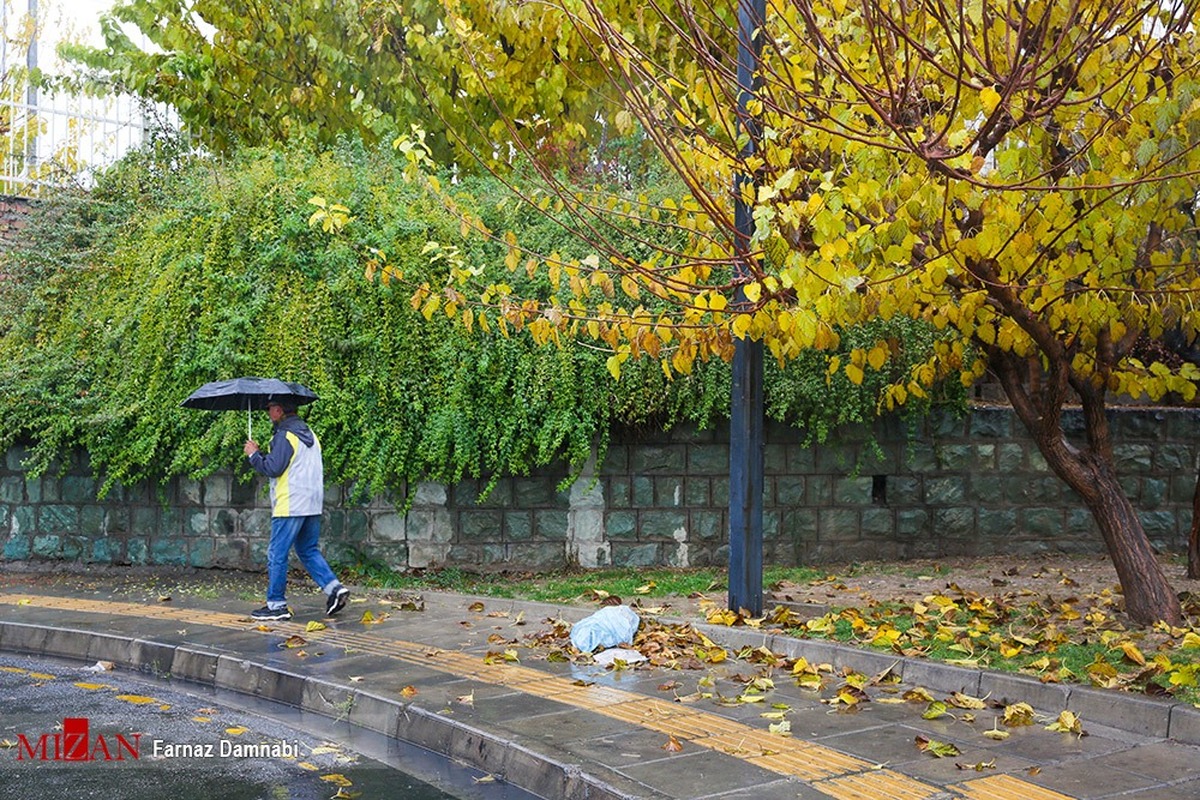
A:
(628, 584)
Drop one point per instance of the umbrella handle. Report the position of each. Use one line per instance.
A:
(249, 433)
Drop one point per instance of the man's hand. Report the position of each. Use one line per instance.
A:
(251, 447)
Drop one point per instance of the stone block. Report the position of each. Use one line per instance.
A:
(903, 490)
(17, 548)
(989, 423)
(879, 523)
(668, 492)
(634, 555)
(837, 525)
(135, 551)
(58, 519)
(1010, 457)
(550, 525)
(956, 522)
(12, 489)
(619, 493)
(15, 458)
(621, 524)
(852, 491)
(196, 523)
(518, 526)
(657, 524)
(168, 550)
(707, 525)
(1000, 522)
(667, 459)
(429, 494)
(538, 556)
(913, 522)
(388, 527)
(1042, 523)
(422, 555)
(429, 526)
(145, 520)
(200, 552)
(942, 491)
(955, 457)
(480, 525)
(106, 550)
(1133, 457)
(711, 459)
(697, 493)
(47, 545)
(615, 460)
(642, 492)
(217, 490)
(789, 490)
(78, 489)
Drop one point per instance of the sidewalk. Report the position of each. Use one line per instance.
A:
(443, 678)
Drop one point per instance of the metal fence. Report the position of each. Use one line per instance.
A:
(49, 141)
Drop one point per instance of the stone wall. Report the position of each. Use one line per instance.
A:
(955, 486)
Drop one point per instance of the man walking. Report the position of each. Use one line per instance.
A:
(294, 466)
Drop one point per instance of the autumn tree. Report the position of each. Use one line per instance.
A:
(255, 72)
(1019, 174)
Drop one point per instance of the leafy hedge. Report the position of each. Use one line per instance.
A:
(175, 271)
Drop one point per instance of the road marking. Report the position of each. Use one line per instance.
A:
(834, 773)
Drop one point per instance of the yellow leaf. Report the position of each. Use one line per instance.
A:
(672, 745)
(989, 98)
(337, 779)
(1067, 722)
(961, 700)
(1190, 639)
(136, 699)
(314, 626)
(408, 691)
(237, 731)
(1018, 714)
(855, 374)
(1133, 654)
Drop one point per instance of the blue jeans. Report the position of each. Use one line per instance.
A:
(302, 533)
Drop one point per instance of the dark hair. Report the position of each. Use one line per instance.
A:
(287, 406)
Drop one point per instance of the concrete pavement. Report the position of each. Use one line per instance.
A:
(458, 676)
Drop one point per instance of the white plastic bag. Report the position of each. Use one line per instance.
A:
(608, 627)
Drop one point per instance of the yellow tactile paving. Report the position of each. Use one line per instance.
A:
(877, 785)
(1006, 787)
(837, 774)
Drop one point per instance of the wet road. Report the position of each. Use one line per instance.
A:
(150, 740)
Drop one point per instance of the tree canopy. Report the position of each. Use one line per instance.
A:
(254, 72)
(1021, 174)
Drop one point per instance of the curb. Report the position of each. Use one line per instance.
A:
(1144, 716)
(520, 766)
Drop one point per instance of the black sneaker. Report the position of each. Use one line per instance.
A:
(337, 600)
(268, 613)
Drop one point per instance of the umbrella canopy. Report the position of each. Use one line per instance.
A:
(248, 394)
(253, 394)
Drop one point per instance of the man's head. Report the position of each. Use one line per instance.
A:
(278, 409)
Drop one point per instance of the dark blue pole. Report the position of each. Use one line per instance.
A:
(746, 411)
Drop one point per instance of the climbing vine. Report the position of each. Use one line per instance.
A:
(174, 271)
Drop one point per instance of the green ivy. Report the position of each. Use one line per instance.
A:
(175, 271)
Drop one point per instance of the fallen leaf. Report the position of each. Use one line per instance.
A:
(485, 779)
(136, 699)
(1018, 714)
(237, 730)
(936, 748)
(477, 607)
(342, 794)
(164, 598)
(100, 666)
(934, 710)
(91, 687)
(672, 745)
(338, 779)
(314, 626)
(978, 766)
(408, 691)
(308, 766)
(201, 719)
(1067, 722)
(466, 699)
(356, 678)
(960, 700)
(782, 728)
(295, 640)
(996, 733)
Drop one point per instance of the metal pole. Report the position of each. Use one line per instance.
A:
(746, 411)
(31, 94)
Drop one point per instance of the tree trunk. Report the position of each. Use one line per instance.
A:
(1193, 568)
(1090, 471)
(1148, 596)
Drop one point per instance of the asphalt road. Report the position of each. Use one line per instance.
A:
(150, 740)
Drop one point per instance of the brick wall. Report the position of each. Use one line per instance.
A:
(955, 486)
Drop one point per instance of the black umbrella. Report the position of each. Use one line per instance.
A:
(248, 393)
